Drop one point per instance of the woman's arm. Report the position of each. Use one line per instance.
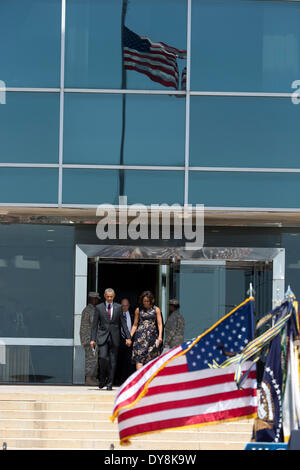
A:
(135, 323)
(159, 324)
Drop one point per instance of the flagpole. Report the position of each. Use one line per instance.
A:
(252, 311)
(123, 86)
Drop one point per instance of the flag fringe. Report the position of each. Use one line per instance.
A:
(145, 389)
(126, 440)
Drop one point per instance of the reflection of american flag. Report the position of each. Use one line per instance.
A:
(178, 389)
(157, 60)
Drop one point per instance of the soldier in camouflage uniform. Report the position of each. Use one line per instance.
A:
(91, 357)
(174, 327)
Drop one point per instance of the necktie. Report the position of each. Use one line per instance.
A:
(109, 311)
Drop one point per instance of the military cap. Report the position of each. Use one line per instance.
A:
(94, 295)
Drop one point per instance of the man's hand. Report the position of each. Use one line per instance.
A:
(92, 344)
(128, 342)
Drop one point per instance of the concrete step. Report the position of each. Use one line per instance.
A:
(98, 444)
(78, 418)
(33, 405)
(85, 395)
(18, 423)
(112, 433)
(53, 414)
(88, 417)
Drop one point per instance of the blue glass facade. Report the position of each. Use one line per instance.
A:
(76, 112)
(36, 307)
(245, 46)
(30, 40)
(155, 129)
(79, 127)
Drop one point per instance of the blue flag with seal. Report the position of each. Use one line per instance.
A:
(268, 426)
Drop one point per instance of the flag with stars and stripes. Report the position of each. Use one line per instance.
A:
(179, 390)
(157, 60)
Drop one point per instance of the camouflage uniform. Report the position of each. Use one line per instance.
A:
(174, 330)
(91, 359)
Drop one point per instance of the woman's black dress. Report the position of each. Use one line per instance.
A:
(144, 349)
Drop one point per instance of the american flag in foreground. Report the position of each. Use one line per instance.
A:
(179, 390)
(157, 60)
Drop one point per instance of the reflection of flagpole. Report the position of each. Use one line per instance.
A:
(123, 87)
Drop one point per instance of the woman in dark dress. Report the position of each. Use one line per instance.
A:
(147, 328)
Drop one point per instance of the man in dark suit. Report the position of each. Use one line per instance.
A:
(109, 318)
(125, 367)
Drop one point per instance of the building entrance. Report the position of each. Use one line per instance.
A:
(128, 279)
(208, 283)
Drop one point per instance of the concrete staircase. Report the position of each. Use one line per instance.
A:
(77, 418)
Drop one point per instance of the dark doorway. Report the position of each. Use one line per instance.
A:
(128, 280)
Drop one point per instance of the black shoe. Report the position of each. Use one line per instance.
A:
(109, 387)
(101, 384)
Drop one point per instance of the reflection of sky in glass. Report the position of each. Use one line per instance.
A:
(251, 132)
(95, 186)
(235, 189)
(28, 185)
(29, 128)
(154, 130)
(93, 39)
(245, 45)
(32, 266)
(30, 42)
(154, 187)
(90, 186)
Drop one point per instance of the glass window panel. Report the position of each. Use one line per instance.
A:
(198, 282)
(245, 45)
(93, 42)
(90, 186)
(37, 364)
(36, 281)
(102, 186)
(29, 128)
(30, 37)
(242, 237)
(235, 189)
(154, 187)
(244, 132)
(29, 185)
(154, 129)
(229, 281)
